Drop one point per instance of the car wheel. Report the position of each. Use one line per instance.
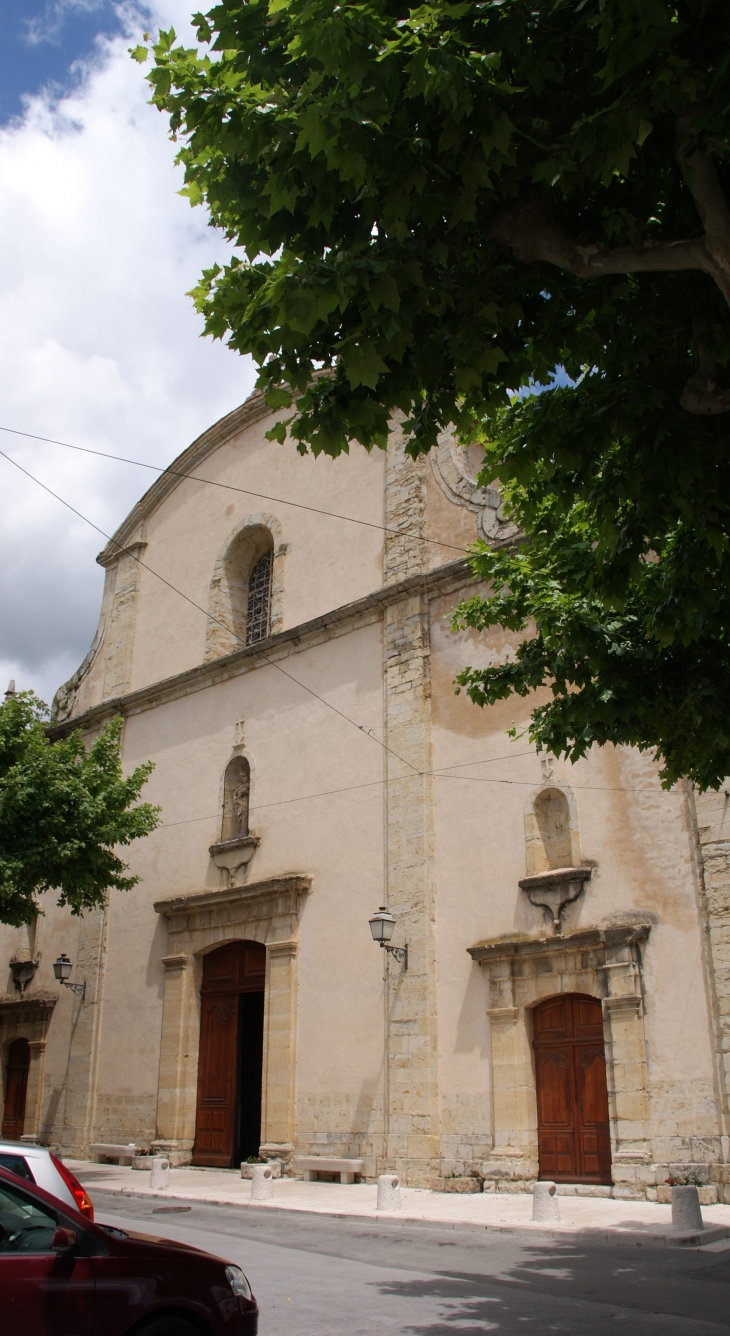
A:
(170, 1326)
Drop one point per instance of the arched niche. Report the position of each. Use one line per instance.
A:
(245, 603)
(551, 830)
(236, 799)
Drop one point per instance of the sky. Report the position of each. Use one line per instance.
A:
(99, 345)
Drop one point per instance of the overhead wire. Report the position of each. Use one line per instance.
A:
(361, 728)
(229, 487)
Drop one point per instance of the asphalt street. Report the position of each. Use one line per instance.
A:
(318, 1276)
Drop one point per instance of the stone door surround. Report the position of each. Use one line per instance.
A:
(603, 962)
(27, 1017)
(264, 911)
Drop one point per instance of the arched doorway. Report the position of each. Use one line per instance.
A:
(228, 1114)
(572, 1099)
(16, 1087)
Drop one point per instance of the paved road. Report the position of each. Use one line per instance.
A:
(325, 1277)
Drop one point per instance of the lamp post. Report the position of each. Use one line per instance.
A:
(62, 968)
(381, 926)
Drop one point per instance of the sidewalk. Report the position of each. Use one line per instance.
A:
(588, 1219)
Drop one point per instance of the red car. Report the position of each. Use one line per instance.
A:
(62, 1275)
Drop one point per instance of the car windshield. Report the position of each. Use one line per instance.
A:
(25, 1225)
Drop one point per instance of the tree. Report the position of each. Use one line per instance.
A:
(437, 207)
(62, 811)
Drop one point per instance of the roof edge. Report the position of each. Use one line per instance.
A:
(251, 410)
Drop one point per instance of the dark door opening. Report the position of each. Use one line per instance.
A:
(228, 1116)
(16, 1088)
(572, 1097)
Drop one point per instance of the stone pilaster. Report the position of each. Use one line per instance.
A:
(83, 1062)
(119, 639)
(412, 1143)
(711, 821)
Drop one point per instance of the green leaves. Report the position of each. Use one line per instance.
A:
(383, 170)
(63, 809)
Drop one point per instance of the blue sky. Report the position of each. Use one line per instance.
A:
(42, 41)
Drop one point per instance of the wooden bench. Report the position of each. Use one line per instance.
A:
(311, 1165)
(102, 1151)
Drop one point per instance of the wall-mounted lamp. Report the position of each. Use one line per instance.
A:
(381, 926)
(62, 968)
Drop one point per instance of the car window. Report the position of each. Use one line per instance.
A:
(17, 1165)
(25, 1225)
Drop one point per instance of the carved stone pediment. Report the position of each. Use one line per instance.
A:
(555, 889)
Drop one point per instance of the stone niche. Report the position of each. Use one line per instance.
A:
(555, 874)
(603, 962)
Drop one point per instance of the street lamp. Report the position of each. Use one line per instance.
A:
(381, 926)
(62, 968)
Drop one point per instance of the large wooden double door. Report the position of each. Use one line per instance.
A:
(572, 1099)
(228, 1115)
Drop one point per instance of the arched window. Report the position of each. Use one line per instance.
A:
(551, 833)
(241, 592)
(236, 799)
(258, 611)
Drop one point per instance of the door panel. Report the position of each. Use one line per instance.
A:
(214, 1124)
(572, 1098)
(16, 1086)
(228, 1115)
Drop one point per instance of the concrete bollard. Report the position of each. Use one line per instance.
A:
(388, 1193)
(262, 1183)
(686, 1213)
(545, 1202)
(160, 1175)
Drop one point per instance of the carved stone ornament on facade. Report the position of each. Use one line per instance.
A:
(234, 856)
(455, 468)
(555, 889)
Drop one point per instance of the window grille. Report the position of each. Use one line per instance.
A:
(259, 600)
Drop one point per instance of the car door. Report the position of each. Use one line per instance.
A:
(43, 1293)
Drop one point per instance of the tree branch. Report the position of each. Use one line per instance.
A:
(703, 182)
(528, 229)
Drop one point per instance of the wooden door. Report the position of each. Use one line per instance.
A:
(572, 1097)
(16, 1086)
(225, 1051)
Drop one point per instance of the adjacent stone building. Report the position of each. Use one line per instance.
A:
(275, 632)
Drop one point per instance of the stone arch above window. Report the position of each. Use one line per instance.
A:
(246, 591)
(551, 830)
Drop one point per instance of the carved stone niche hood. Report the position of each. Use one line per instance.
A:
(554, 890)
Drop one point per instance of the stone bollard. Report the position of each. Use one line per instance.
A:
(262, 1182)
(545, 1202)
(160, 1175)
(388, 1193)
(686, 1213)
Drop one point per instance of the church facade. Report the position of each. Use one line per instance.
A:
(275, 632)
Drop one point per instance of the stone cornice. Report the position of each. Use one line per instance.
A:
(245, 415)
(506, 948)
(294, 882)
(27, 1007)
(445, 580)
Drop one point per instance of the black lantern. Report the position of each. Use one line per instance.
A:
(381, 926)
(62, 968)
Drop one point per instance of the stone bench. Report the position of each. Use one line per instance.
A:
(102, 1150)
(311, 1165)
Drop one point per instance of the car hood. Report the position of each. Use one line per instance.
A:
(137, 1243)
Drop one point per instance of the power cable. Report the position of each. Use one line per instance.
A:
(361, 728)
(228, 487)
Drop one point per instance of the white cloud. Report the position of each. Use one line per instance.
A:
(98, 343)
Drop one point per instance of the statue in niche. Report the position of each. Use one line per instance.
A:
(237, 790)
